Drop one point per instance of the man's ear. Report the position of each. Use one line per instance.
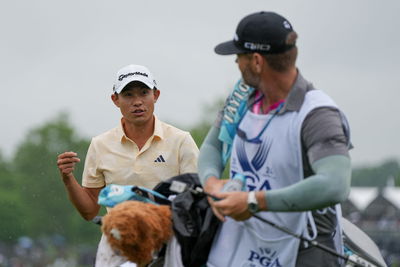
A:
(258, 62)
(156, 94)
(115, 99)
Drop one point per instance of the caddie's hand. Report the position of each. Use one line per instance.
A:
(233, 204)
(66, 163)
(213, 186)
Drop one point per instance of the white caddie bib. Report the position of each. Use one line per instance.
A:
(274, 163)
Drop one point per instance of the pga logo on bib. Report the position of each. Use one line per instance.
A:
(264, 257)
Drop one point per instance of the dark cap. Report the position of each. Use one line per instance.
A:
(262, 32)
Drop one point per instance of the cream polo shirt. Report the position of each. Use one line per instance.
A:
(113, 158)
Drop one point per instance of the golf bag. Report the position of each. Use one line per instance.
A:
(195, 225)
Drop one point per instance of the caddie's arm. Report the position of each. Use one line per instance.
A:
(327, 146)
(329, 185)
(210, 166)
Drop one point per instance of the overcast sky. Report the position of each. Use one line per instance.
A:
(63, 56)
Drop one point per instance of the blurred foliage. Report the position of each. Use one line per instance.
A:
(210, 112)
(35, 200)
(12, 209)
(387, 173)
(199, 131)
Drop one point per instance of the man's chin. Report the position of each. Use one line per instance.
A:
(141, 120)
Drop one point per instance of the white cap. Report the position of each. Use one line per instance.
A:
(132, 73)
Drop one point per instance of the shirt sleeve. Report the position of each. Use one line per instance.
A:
(92, 177)
(220, 115)
(323, 134)
(188, 155)
(218, 120)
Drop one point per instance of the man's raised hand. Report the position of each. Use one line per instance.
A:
(66, 163)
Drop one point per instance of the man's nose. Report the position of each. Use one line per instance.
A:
(137, 101)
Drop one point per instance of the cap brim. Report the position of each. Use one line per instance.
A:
(136, 79)
(228, 48)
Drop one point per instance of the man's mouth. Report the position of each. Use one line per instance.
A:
(138, 111)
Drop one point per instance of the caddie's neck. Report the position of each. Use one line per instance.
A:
(275, 85)
(139, 132)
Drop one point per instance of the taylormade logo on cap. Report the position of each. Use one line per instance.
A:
(132, 73)
(122, 76)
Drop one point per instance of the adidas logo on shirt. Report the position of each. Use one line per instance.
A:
(159, 159)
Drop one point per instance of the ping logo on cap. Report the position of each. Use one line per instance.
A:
(123, 76)
(256, 46)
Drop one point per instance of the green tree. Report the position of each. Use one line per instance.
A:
(200, 130)
(49, 210)
(12, 209)
(377, 175)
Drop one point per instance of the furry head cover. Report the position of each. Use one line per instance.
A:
(138, 230)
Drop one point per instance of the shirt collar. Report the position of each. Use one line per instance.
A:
(296, 96)
(158, 130)
(297, 93)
